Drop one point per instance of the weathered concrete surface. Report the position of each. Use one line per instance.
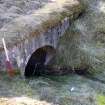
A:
(27, 33)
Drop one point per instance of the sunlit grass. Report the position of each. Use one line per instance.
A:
(101, 6)
(101, 99)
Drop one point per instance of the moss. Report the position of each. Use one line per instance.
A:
(101, 99)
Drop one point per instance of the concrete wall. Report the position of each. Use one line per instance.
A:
(25, 34)
(19, 54)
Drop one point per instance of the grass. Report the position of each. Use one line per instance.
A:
(101, 99)
(53, 89)
(14, 86)
(59, 79)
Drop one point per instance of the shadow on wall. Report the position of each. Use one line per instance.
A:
(38, 60)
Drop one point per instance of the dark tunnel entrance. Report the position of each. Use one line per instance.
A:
(39, 60)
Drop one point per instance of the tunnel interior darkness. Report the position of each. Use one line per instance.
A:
(38, 60)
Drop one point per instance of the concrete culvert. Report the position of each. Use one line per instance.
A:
(38, 60)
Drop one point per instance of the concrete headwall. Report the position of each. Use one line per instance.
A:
(26, 34)
(20, 54)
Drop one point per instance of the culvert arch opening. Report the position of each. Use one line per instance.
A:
(38, 61)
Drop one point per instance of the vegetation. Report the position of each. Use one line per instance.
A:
(52, 89)
(101, 99)
(83, 44)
